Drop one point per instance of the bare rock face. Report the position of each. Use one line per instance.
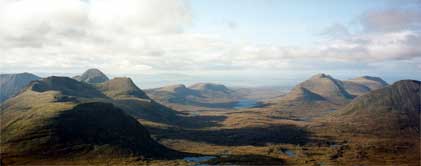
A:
(92, 76)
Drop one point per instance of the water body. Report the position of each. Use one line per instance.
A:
(198, 159)
(246, 103)
(289, 153)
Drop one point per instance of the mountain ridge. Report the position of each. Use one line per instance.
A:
(12, 84)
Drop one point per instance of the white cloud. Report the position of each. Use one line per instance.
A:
(138, 36)
(375, 47)
(391, 20)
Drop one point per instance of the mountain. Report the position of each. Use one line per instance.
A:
(361, 85)
(66, 86)
(209, 87)
(92, 76)
(302, 94)
(11, 84)
(173, 94)
(200, 95)
(320, 87)
(39, 124)
(135, 102)
(121, 87)
(392, 110)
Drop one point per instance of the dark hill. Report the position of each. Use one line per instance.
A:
(66, 86)
(91, 129)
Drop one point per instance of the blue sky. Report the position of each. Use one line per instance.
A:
(235, 42)
(277, 21)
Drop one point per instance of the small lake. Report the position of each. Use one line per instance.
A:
(198, 159)
(289, 153)
(246, 103)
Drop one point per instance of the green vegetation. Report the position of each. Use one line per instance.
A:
(61, 121)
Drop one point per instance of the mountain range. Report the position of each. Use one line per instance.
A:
(325, 88)
(92, 117)
(200, 95)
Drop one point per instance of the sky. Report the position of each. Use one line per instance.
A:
(237, 42)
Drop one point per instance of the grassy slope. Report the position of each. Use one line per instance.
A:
(39, 127)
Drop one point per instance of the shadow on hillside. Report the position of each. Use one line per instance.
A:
(201, 121)
(245, 160)
(213, 105)
(158, 113)
(257, 136)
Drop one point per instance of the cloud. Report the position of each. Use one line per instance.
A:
(140, 16)
(375, 47)
(386, 35)
(147, 36)
(389, 20)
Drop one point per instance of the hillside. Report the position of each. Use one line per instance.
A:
(362, 85)
(35, 124)
(393, 110)
(303, 94)
(121, 87)
(92, 76)
(11, 84)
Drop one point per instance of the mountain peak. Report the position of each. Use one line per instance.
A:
(321, 75)
(93, 76)
(122, 87)
(321, 86)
